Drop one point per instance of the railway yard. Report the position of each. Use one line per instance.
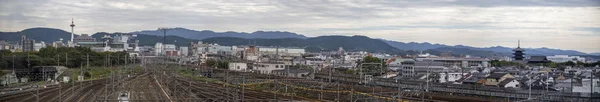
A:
(162, 82)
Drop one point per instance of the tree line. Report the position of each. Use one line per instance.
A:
(71, 57)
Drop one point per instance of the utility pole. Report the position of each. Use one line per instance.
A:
(60, 91)
(330, 70)
(88, 66)
(13, 65)
(58, 60)
(321, 92)
(37, 97)
(593, 73)
(529, 96)
(66, 65)
(428, 73)
(338, 88)
(66, 60)
(28, 64)
(243, 86)
(360, 72)
(81, 82)
(398, 85)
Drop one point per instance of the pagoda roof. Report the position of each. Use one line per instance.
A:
(518, 49)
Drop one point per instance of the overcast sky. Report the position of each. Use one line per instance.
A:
(563, 24)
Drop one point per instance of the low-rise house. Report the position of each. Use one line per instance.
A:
(564, 85)
(495, 78)
(473, 80)
(268, 67)
(450, 76)
(509, 83)
(536, 83)
(557, 77)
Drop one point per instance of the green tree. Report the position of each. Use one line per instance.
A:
(223, 64)
(5, 52)
(77, 56)
(569, 63)
(373, 66)
(552, 65)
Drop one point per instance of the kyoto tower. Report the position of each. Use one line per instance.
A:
(72, 26)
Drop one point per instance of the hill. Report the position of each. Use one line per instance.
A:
(327, 43)
(413, 45)
(461, 49)
(47, 35)
(183, 37)
(199, 35)
(150, 40)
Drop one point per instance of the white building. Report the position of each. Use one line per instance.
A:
(395, 63)
(565, 58)
(282, 51)
(38, 46)
(184, 51)
(450, 76)
(238, 66)
(267, 68)
(158, 49)
(164, 49)
(170, 47)
(415, 68)
(119, 42)
(460, 62)
(313, 62)
(509, 83)
(218, 49)
(252, 58)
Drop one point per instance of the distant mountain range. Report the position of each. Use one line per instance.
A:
(498, 50)
(183, 37)
(47, 35)
(321, 43)
(193, 34)
(150, 40)
(413, 45)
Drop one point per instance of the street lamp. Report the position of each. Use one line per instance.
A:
(592, 83)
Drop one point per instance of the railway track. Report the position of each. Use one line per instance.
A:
(474, 92)
(49, 93)
(200, 88)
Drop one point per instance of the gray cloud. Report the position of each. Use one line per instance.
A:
(436, 21)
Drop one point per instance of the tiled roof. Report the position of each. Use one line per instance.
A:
(496, 75)
(505, 81)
